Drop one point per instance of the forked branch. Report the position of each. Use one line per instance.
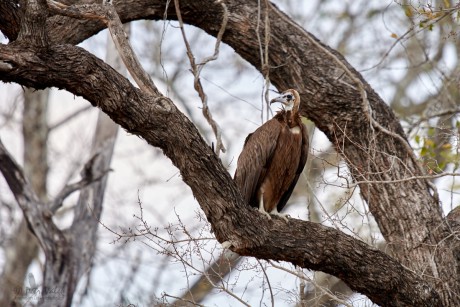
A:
(197, 68)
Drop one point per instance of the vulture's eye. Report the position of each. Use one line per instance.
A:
(289, 97)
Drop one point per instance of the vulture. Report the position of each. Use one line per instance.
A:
(273, 157)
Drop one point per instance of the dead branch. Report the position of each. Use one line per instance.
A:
(197, 68)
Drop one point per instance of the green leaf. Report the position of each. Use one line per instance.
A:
(428, 143)
(423, 152)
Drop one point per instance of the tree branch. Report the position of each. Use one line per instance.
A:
(408, 215)
(196, 71)
(107, 14)
(70, 188)
(38, 217)
(305, 244)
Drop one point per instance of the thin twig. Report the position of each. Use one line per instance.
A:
(304, 277)
(268, 282)
(266, 67)
(428, 117)
(196, 70)
(70, 188)
(69, 117)
(404, 179)
(263, 51)
(182, 300)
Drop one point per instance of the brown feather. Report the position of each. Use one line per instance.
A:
(255, 159)
(272, 160)
(305, 147)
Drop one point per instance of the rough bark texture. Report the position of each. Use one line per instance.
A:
(423, 272)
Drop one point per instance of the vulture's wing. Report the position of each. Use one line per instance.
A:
(255, 158)
(303, 159)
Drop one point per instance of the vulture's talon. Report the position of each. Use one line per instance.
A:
(265, 213)
(281, 215)
(226, 244)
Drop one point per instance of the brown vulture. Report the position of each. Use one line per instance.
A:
(273, 157)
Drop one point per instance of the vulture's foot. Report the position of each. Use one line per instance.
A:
(265, 212)
(226, 244)
(284, 216)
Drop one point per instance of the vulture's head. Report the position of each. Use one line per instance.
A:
(290, 99)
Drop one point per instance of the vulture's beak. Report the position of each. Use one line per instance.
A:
(280, 98)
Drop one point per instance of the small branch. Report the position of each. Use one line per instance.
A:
(304, 277)
(263, 49)
(213, 276)
(70, 188)
(108, 15)
(182, 300)
(428, 117)
(69, 117)
(268, 282)
(196, 71)
(16, 180)
(412, 30)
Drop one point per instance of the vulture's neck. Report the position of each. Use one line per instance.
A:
(291, 117)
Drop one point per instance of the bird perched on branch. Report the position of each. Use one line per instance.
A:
(273, 157)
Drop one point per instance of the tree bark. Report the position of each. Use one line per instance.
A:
(360, 125)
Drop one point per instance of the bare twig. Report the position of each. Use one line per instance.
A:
(182, 300)
(428, 117)
(305, 277)
(69, 117)
(411, 32)
(263, 49)
(354, 184)
(70, 188)
(272, 298)
(196, 70)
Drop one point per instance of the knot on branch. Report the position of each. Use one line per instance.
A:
(162, 105)
(265, 69)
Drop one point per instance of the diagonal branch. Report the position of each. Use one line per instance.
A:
(108, 15)
(68, 189)
(21, 188)
(408, 215)
(304, 244)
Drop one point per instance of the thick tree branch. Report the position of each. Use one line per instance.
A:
(305, 244)
(33, 29)
(409, 217)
